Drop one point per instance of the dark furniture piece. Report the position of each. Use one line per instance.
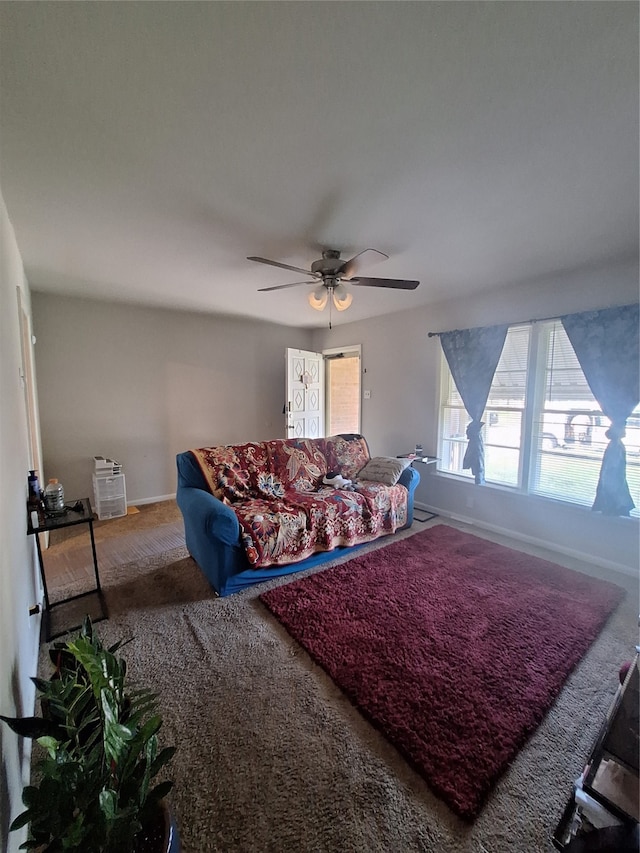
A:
(611, 839)
(610, 779)
(76, 512)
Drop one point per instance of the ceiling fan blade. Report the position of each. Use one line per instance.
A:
(281, 266)
(282, 286)
(355, 263)
(398, 283)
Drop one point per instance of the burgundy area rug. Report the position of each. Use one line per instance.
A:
(452, 646)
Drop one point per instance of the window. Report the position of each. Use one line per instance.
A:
(544, 431)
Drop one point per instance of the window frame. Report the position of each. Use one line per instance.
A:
(535, 408)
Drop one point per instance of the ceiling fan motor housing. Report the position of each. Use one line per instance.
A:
(330, 265)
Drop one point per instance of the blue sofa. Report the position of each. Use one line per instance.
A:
(213, 532)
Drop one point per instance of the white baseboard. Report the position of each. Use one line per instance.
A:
(533, 540)
(158, 499)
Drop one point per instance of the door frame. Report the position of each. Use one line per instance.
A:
(27, 374)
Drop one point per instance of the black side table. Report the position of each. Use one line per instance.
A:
(76, 512)
(610, 778)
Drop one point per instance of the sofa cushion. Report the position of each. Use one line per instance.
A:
(388, 504)
(222, 472)
(281, 531)
(267, 485)
(299, 464)
(272, 531)
(253, 459)
(384, 469)
(346, 455)
(231, 471)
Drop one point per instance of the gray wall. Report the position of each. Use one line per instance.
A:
(403, 372)
(19, 588)
(142, 384)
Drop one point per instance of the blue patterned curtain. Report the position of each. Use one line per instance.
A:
(606, 345)
(473, 355)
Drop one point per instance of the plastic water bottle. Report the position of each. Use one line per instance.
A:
(54, 497)
(419, 451)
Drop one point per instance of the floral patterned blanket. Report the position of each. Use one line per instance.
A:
(284, 510)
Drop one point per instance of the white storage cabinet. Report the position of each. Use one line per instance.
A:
(109, 490)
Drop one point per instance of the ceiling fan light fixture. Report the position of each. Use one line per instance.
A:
(318, 298)
(342, 299)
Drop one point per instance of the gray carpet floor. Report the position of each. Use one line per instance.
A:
(272, 757)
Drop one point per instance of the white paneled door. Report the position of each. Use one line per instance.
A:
(305, 394)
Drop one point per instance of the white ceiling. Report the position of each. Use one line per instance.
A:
(148, 148)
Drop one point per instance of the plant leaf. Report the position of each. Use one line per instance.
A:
(32, 727)
(150, 728)
(51, 744)
(108, 803)
(160, 791)
(164, 756)
(22, 820)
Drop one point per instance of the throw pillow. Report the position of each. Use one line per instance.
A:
(384, 469)
(223, 472)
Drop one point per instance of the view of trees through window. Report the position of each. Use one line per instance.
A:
(544, 431)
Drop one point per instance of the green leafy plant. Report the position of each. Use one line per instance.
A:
(101, 753)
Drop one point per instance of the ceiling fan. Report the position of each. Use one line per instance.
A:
(331, 273)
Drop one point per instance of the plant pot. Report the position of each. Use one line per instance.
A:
(162, 836)
(172, 837)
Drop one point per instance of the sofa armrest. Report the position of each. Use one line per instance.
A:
(207, 515)
(410, 478)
